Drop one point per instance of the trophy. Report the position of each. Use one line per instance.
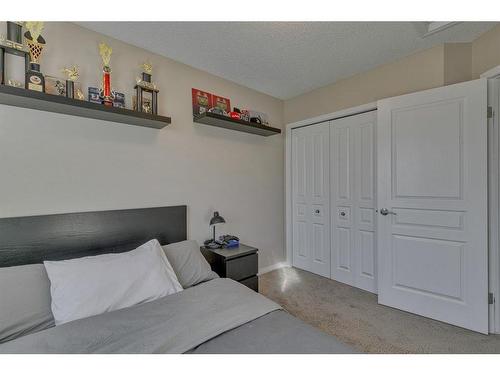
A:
(34, 79)
(13, 45)
(72, 74)
(146, 91)
(106, 94)
(14, 38)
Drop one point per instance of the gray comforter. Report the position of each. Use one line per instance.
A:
(217, 316)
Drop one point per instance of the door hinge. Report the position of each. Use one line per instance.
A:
(491, 299)
(490, 112)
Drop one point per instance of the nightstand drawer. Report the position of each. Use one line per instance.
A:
(242, 267)
(251, 282)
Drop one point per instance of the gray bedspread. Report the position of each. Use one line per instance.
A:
(275, 333)
(219, 316)
(174, 324)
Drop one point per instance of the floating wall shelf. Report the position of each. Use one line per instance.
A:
(19, 97)
(222, 121)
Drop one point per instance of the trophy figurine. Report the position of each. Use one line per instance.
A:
(14, 38)
(146, 91)
(106, 94)
(72, 74)
(34, 79)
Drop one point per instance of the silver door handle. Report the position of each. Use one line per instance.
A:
(385, 212)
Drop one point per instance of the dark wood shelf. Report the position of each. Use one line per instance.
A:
(222, 121)
(20, 97)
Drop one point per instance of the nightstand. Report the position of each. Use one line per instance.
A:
(237, 263)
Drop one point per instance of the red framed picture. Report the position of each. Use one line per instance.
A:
(202, 101)
(221, 103)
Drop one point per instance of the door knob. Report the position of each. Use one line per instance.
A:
(316, 211)
(385, 212)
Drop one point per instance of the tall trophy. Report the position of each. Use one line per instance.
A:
(72, 75)
(106, 94)
(34, 79)
(146, 91)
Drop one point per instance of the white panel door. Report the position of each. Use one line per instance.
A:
(310, 198)
(352, 164)
(432, 185)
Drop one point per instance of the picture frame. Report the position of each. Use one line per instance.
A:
(55, 85)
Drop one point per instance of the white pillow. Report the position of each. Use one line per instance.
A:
(93, 285)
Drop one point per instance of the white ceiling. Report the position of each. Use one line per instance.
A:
(284, 59)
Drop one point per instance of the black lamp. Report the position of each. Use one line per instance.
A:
(216, 219)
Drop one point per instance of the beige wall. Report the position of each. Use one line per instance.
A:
(486, 52)
(419, 71)
(457, 62)
(51, 163)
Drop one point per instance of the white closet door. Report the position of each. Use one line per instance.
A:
(432, 180)
(353, 245)
(310, 195)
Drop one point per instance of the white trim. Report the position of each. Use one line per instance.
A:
(273, 267)
(492, 73)
(288, 154)
(493, 77)
(494, 199)
(334, 115)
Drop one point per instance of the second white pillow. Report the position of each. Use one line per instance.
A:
(93, 285)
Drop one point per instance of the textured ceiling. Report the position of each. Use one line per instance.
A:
(284, 59)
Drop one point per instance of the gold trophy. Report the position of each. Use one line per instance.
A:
(73, 75)
(34, 78)
(106, 95)
(146, 91)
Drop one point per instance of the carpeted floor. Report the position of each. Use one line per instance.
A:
(354, 317)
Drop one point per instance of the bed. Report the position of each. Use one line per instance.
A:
(218, 316)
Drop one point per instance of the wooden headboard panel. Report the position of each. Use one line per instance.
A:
(33, 239)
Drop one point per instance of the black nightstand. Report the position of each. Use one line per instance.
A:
(237, 263)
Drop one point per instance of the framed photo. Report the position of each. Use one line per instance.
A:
(119, 100)
(202, 101)
(14, 70)
(94, 95)
(55, 85)
(223, 104)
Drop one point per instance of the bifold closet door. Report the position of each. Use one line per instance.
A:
(352, 184)
(310, 198)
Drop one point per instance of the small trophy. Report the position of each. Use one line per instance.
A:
(146, 91)
(34, 79)
(106, 94)
(73, 75)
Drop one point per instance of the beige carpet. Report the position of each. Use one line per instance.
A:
(354, 317)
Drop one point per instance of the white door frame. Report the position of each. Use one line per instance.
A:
(493, 76)
(288, 163)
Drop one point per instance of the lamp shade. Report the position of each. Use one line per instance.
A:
(217, 219)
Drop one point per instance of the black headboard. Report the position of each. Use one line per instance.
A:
(33, 239)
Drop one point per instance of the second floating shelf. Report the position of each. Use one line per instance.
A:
(222, 121)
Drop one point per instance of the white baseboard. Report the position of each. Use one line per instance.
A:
(273, 267)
